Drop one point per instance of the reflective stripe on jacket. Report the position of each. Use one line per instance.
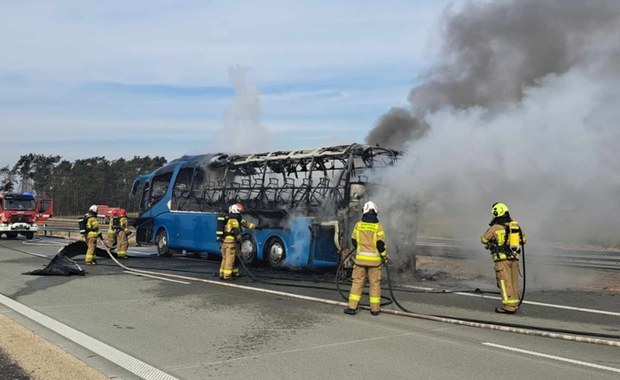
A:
(367, 235)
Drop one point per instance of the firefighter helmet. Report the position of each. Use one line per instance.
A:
(370, 206)
(93, 209)
(122, 212)
(236, 208)
(499, 209)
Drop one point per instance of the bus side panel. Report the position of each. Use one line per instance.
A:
(190, 231)
(202, 233)
(306, 245)
(324, 252)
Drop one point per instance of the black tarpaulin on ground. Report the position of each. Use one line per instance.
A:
(63, 265)
(60, 265)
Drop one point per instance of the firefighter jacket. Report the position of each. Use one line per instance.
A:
(92, 226)
(368, 237)
(232, 229)
(117, 224)
(495, 239)
(124, 224)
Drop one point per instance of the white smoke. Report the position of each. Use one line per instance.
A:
(242, 131)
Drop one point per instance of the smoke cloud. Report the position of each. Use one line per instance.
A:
(522, 106)
(242, 131)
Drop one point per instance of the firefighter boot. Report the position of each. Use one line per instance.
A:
(501, 310)
(350, 311)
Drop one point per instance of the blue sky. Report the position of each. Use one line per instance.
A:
(117, 79)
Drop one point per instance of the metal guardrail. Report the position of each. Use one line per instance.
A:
(56, 225)
(49, 231)
(67, 226)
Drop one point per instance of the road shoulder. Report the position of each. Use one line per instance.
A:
(39, 358)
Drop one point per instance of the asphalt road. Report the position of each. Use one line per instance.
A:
(129, 326)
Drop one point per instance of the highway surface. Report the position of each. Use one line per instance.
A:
(287, 325)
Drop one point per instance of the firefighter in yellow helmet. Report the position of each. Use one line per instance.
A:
(232, 240)
(504, 239)
(368, 239)
(91, 233)
(121, 229)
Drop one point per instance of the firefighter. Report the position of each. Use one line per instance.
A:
(91, 233)
(122, 234)
(112, 227)
(232, 241)
(504, 239)
(118, 233)
(368, 238)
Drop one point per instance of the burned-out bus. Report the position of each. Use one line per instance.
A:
(304, 202)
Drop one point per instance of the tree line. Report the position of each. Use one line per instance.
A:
(75, 186)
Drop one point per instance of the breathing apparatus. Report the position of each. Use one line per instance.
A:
(514, 237)
(516, 246)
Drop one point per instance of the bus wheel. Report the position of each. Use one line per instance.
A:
(275, 252)
(162, 243)
(29, 235)
(248, 250)
(11, 235)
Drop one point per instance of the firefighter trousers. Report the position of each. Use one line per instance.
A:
(122, 243)
(229, 252)
(507, 276)
(374, 283)
(91, 242)
(111, 238)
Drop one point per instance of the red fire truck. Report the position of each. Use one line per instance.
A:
(21, 213)
(105, 212)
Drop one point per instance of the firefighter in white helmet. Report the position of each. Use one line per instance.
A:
(504, 239)
(232, 241)
(91, 233)
(368, 239)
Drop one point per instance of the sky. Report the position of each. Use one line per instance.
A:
(166, 78)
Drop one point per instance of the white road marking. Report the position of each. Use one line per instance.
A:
(133, 365)
(595, 311)
(559, 358)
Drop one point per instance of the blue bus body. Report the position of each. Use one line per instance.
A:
(302, 221)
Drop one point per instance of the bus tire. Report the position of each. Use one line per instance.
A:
(275, 252)
(163, 247)
(29, 235)
(249, 251)
(11, 235)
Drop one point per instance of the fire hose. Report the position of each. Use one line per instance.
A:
(564, 334)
